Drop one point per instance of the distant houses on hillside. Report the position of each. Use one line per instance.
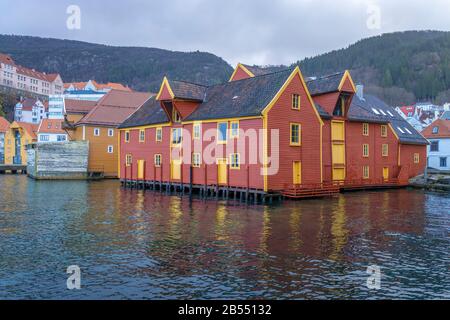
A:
(21, 78)
(91, 90)
(422, 114)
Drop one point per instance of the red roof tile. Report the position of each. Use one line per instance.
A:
(79, 106)
(115, 107)
(4, 58)
(51, 126)
(443, 129)
(4, 124)
(31, 129)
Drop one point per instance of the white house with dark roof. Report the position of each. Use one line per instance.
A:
(30, 111)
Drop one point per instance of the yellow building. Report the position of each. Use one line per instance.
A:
(99, 127)
(17, 137)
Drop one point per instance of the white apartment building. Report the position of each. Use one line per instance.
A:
(30, 111)
(30, 80)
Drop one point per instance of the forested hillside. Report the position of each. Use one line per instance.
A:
(400, 67)
(140, 68)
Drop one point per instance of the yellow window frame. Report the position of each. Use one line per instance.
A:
(233, 134)
(127, 136)
(197, 129)
(416, 158)
(176, 115)
(296, 101)
(181, 137)
(299, 143)
(219, 134)
(142, 135)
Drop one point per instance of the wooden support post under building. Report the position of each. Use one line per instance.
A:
(191, 176)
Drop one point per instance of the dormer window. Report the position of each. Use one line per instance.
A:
(339, 110)
(176, 116)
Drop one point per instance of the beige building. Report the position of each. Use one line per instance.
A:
(30, 80)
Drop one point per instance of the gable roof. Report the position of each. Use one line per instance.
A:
(79, 106)
(51, 126)
(114, 108)
(362, 110)
(4, 125)
(150, 112)
(188, 90)
(443, 129)
(28, 104)
(236, 99)
(241, 98)
(325, 84)
(31, 129)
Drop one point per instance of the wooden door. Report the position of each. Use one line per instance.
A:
(141, 169)
(386, 174)
(338, 174)
(176, 170)
(297, 172)
(222, 172)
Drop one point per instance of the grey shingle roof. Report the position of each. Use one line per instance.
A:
(325, 84)
(259, 71)
(323, 114)
(362, 110)
(149, 113)
(187, 90)
(243, 98)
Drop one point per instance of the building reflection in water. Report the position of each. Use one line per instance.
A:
(298, 248)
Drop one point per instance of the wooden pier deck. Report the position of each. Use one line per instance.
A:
(13, 169)
(255, 196)
(213, 192)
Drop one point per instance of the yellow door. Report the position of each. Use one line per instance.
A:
(386, 174)
(338, 174)
(222, 174)
(141, 166)
(297, 172)
(176, 170)
(337, 131)
(338, 154)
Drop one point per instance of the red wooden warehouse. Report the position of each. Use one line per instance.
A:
(268, 132)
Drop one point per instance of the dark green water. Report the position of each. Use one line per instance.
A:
(136, 245)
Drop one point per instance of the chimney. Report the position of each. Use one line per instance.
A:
(360, 91)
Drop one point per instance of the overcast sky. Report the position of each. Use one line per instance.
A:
(250, 31)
